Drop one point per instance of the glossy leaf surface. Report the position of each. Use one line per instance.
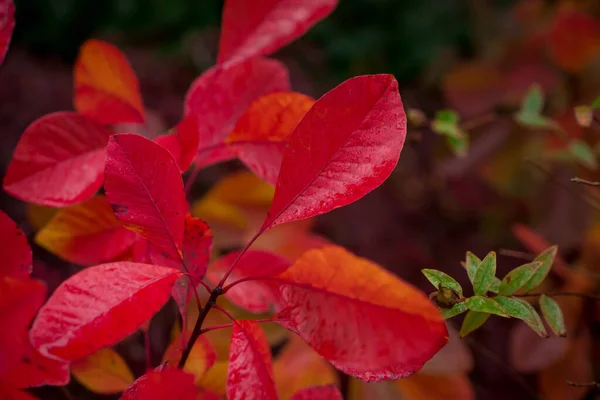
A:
(59, 160)
(106, 88)
(15, 252)
(220, 96)
(254, 29)
(338, 303)
(86, 233)
(143, 184)
(346, 145)
(170, 383)
(99, 306)
(250, 373)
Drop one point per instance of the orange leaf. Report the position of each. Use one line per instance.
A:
(339, 303)
(103, 372)
(106, 87)
(573, 39)
(298, 366)
(201, 358)
(38, 216)
(86, 233)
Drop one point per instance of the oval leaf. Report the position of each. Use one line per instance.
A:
(170, 383)
(264, 27)
(256, 295)
(439, 278)
(7, 25)
(59, 160)
(518, 277)
(472, 321)
(553, 315)
(144, 187)
(456, 309)
(99, 306)
(547, 259)
(220, 96)
(328, 293)
(519, 308)
(106, 88)
(103, 372)
(486, 305)
(250, 373)
(329, 392)
(260, 134)
(15, 252)
(484, 275)
(345, 146)
(34, 369)
(86, 233)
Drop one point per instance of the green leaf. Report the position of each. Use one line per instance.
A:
(547, 259)
(596, 103)
(533, 102)
(583, 153)
(553, 315)
(472, 321)
(518, 277)
(519, 308)
(471, 265)
(459, 144)
(485, 305)
(495, 286)
(438, 278)
(484, 275)
(458, 308)
(534, 120)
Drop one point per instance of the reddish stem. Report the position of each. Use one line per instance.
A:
(224, 311)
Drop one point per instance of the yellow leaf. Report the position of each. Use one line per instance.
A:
(38, 216)
(103, 372)
(201, 358)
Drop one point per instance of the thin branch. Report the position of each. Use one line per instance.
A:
(208, 288)
(244, 250)
(214, 328)
(478, 122)
(584, 384)
(584, 181)
(246, 279)
(224, 311)
(516, 254)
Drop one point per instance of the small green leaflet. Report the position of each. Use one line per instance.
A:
(531, 107)
(473, 320)
(518, 277)
(547, 259)
(458, 308)
(495, 286)
(583, 153)
(596, 103)
(438, 278)
(484, 275)
(471, 265)
(446, 124)
(553, 315)
(519, 308)
(485, 305)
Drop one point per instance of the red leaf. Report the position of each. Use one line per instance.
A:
(86, 233)
(183, 142)
(7, 25)
(365, 127)
(255, 29)
(36, 370)
(59, 160)
(250, 373)
(106, 87)
(365, 321)
(144, 186)
(254, 295)
(15, 252)
(220, 96)
(99, 306)
(329, 392)
(261, 132)
(170, 383)
(9, 392)
(19, 302)
(197, 244)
